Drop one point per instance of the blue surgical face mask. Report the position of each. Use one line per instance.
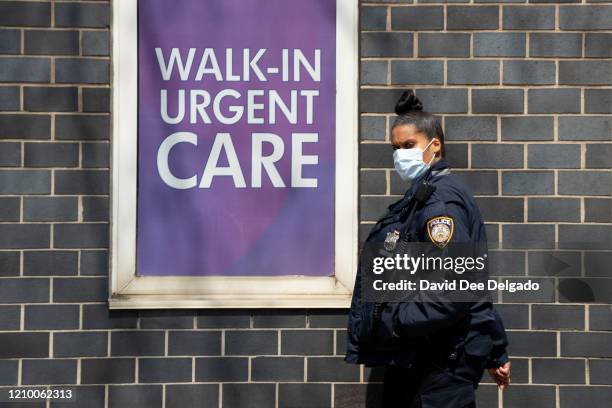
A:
(409, 162)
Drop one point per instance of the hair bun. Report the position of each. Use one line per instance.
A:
(408, 102)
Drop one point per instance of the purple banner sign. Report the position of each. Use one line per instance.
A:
(236, 137)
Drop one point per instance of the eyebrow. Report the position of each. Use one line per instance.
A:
(405, 142)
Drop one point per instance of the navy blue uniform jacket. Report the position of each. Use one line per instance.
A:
(475, 326)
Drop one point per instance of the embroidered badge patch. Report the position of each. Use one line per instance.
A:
(440, 230)
(391, 240)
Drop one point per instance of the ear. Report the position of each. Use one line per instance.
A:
(436, 146)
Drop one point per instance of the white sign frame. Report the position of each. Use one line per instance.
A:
(129, 291)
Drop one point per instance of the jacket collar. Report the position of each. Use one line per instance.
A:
(439, 168)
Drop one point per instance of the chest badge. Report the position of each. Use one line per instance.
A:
(440, 230)
(391, 240)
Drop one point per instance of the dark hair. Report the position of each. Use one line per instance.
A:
(409, 110)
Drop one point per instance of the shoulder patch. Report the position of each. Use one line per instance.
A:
(440, 230)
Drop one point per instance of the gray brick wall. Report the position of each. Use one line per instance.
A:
(524, 92)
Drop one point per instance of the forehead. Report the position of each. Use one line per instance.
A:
(406, 132)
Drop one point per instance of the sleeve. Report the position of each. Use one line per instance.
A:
(432, 311)
(499, 360)
(428, 314)
(441, 211)
(354, 320)
(498, 355)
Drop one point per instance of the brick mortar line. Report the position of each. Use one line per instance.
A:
(457, 169)
(21, 41)
(79, 99)
(47, 113)
(476, 115)
(80, 316)
(556, 358)
(57, 29)
(54, 85)
(80, 211)
(470, 4)
(52, 63)
(52, 57)
(508, 87)
(470, 98)
(75, 168)
(276, 394)
(97, 85)
(86, 142)
(52, 14)
(587, 372)
(331, 383)
(444, 17)
(19, 371)
(484, 58)
(480, 31)
(502, 223)
(490, 142)
(78, 1)
(193, 369)
(388, 20)
(562, 223)
(249, 368)
(52, 222)
(56, 196)
(469, 155)
(21, 318)
(527, 42)
(52, 133)
(388, 182)
(136, 369)
(21, 211)
(335, 356)
(21, 98)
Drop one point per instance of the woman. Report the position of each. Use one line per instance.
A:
(434, 352)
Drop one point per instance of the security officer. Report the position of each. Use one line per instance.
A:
(439, 349)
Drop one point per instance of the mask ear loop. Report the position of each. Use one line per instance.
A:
(429, 171)
(427, 147)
